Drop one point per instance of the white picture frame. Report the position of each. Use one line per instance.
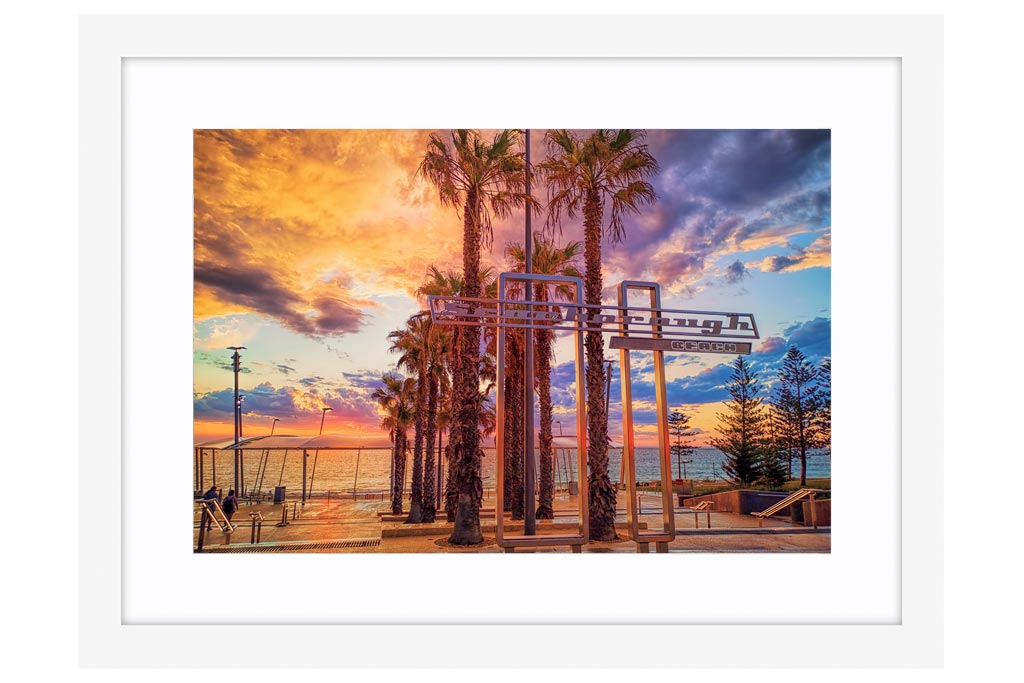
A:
(106, 42)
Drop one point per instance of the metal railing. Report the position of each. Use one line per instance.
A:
(208, 511)
(789, 500)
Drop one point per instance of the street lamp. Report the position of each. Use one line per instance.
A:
(530, 484)
(315, 457)
(236, 366)
(241, 454)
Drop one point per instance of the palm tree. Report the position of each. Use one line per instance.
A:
(583, 174)
(395, 398)
(548, 259)
(448, 283)
(413, 343)
(486, 180)
(514, 423)
(438, 351)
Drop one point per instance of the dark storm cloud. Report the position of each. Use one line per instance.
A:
(726, 191)
(813, 338)
(735, 272)
(286, 403)
(776, 264)
(363, 380)
(258, 289)
(263, 399)
(750, 167)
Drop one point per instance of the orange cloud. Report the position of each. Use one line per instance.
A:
(304, 226)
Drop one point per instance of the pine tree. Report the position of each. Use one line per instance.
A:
(799, 402)
(679, 429)
(773, 465)
(825, 416)
(742, 426)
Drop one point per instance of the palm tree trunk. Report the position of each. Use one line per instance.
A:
(429, 509)
(416, 498)
(601, 503)
(398, 485)
(466, 453)
(546, 490)
(451, 491)
(514, 425)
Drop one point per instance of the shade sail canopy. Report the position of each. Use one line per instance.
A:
(215, 445)
(324, 442)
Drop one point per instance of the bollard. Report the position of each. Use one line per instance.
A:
(284, 515)
(202, 529)
(295, 510)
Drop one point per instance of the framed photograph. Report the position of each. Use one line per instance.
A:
(460, 313)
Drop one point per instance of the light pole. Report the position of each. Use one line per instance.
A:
(241, 454)
(316, 454)
(235, 366)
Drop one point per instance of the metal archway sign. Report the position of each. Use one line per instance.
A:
(652, 328)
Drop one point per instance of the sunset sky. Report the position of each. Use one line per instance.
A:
(310, 243)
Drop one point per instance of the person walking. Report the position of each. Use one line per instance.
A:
(210, 495)
(230, 505)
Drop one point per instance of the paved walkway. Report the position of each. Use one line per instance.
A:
(346, 525)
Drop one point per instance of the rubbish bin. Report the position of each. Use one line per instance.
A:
(574, 488)
(278, 494)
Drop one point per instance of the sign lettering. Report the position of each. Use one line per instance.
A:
(634, 320)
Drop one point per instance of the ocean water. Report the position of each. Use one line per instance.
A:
(370, 469)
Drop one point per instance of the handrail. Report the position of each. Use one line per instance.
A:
(213, 506)
(794, 497)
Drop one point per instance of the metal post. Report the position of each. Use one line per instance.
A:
(530, 492)
(316, 455)
(304, 455)
(235, 359)
(240, 487)
(355, 480)
(202, 527)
